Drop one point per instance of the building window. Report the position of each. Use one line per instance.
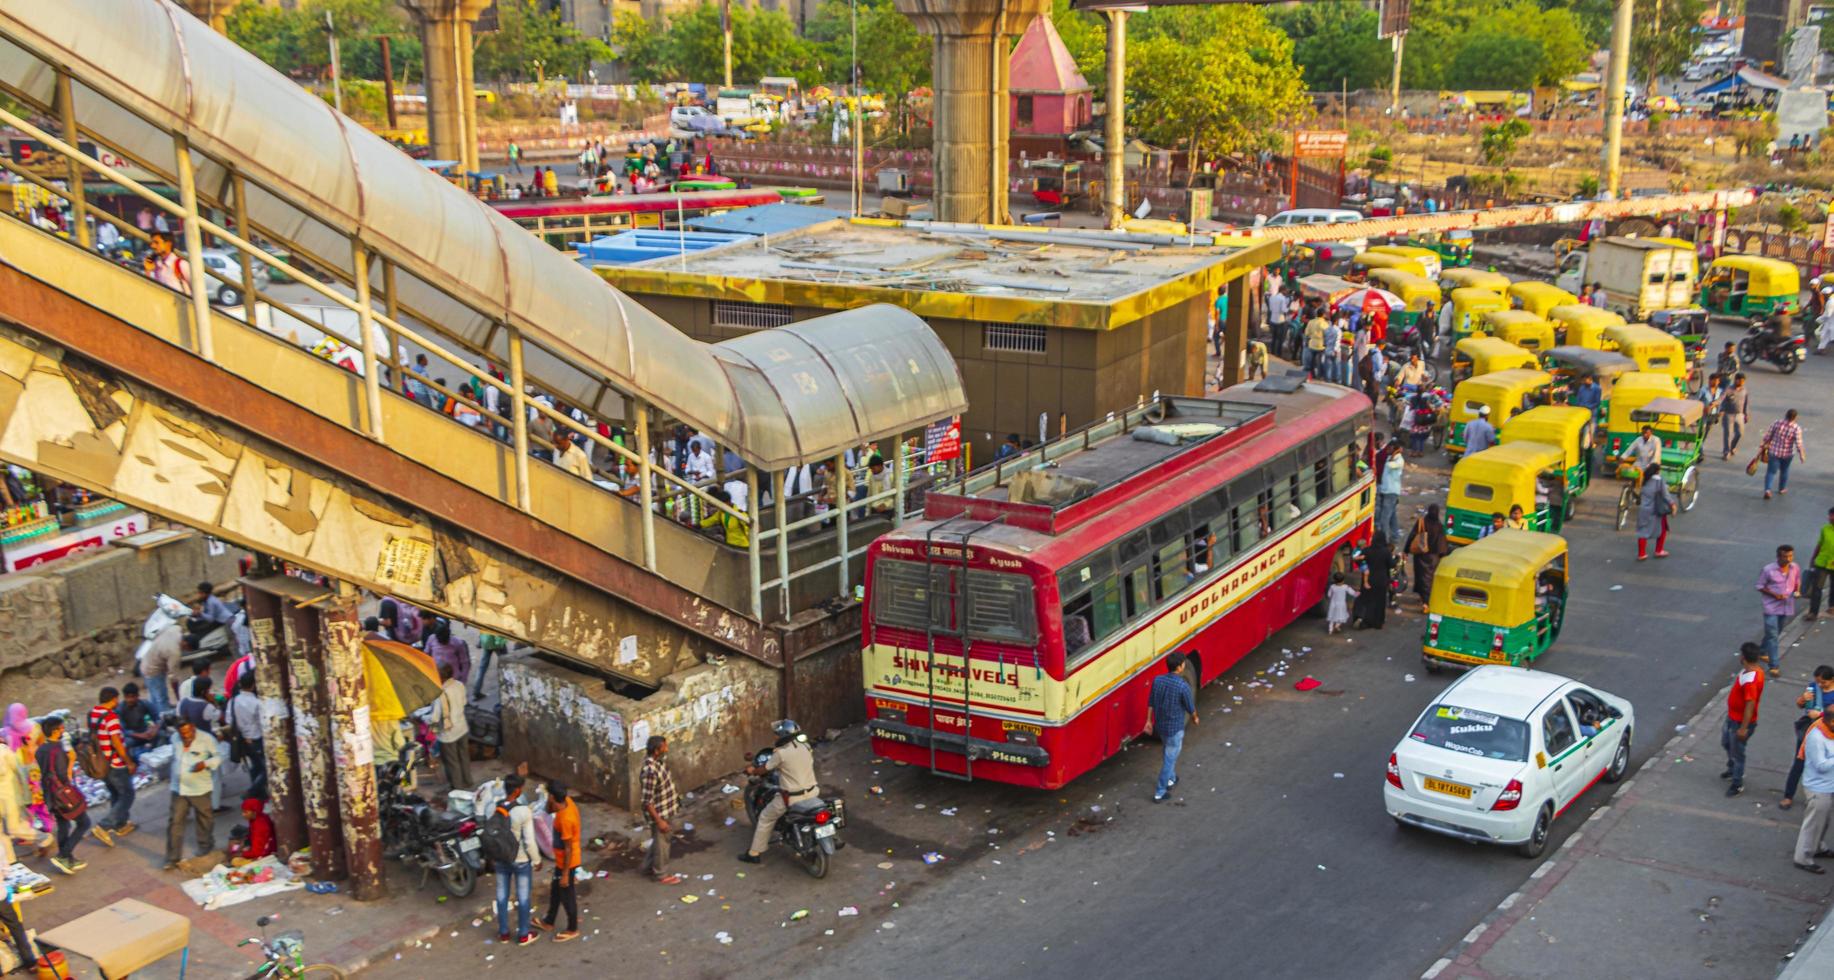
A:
(1016, 338)
(750, 316)
(1025, 110)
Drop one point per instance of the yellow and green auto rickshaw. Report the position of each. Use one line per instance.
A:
(1473, 356)
(1501, 478)
(1571, 365)
(1498, 601)
(1469, 304)
(1506, 394)
(1521, 328)
(1680, 423)
(1414, 291)
(1363, 262)
(1496, 282)
(1751, 286)
(1579, 325)
(1453, 247)
(1540, 297)
(1427, 258)
(1654, 351)
(1568, 427)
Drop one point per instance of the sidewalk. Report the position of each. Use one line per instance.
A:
(1671, 878)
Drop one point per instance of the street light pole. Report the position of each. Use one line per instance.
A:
(337, 88)
(853, 115)
(1617, 80)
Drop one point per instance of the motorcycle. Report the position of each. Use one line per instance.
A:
(168, 612)
(810, 829)
(420, 834)
(1759, 345)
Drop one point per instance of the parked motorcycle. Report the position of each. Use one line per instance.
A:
(809, 829)
(168, 612)
(420, 834)
(1760, 345)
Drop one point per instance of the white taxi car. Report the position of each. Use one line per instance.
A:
(1503, 752)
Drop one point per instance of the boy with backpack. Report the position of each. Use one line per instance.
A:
(508, 841)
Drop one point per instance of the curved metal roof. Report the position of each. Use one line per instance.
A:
(779, 397)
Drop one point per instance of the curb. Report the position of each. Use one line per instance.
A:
(1557, 864)
(367, 960)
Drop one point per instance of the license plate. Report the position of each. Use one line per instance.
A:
(1459, 790)
(469, 844)
(826, 831)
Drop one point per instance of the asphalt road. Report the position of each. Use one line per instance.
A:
(1277, 858)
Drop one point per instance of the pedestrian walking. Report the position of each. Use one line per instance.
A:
(515, 157)
(1372, 602)
(1734, 415)
(1391, 463)
(1315, 345)
(1729, 363)
(1821, 569)
(1172, 706)
(105, 729)
(1426, 544)
(1817, 756)
(1741, 714)
(1654, 504)
(454, 731)
(513, 825)
(659, 803)
(566, 863)
(194, 766)
(1279, 308)
(1818, 698)
(1782, 446)
(1337, 603)
(57, 774)
(1778, 583)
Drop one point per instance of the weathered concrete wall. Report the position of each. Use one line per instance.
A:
(567, 725)
(82, 613)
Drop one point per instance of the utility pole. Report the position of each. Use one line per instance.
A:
(1618, 74)
(337, 88)
(1394, 85)
(726, 39)
(1114, 139)
(388, 81)
(853, 115)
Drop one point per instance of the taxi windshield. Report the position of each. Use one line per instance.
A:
(1475, 733)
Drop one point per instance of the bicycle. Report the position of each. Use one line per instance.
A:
(1631, 496)
(286, 957)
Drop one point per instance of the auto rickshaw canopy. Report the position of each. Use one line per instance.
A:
(1492, 580)
(1637, 389)
(1540, 297)
(1381, 260)
(1654, 350)
(1506, 392)
(1429, 260)
(1496, 282)
(1584, 325)
(1520, 327)
(1587, 362)
(1487, 355)
(1765, 277)
(1566, 426)
(1415, 291)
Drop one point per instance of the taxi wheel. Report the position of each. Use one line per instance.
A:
(1620, 762)
(1690, 488)
(1537, 839)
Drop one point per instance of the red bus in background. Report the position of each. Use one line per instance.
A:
(574, 219)
(1012, 633)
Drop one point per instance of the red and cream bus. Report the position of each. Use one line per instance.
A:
(562, 220)
(1012, 633)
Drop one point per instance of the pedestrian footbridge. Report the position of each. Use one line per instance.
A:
(150, 393)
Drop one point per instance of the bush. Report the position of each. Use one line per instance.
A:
(1587, 187)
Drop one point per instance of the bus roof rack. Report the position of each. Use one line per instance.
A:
(1282, 384)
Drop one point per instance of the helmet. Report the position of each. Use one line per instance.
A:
(787, 728)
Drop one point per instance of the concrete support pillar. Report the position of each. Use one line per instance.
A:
(1114, 140)
(1235, 331)
(304, 643)
(284, 802)
(352, 746)
(1617, 75)
(445, 38)
(972, 45)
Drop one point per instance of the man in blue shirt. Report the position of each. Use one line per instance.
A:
(1587, 395)
(1172, 703)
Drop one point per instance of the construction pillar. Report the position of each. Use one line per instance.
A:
(1617, 76)
(971, 45)
(352, 747)
(304, 643)
(270, 660)
(1114, 140)
(1235, 332)
(1394, 85)
(445, 38)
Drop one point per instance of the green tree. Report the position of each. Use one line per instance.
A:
(644, 46)
(1214, 80)
(1496, 61)
(1660, 38)
(1085, 35)
(894, 58)
(1565, 49)
(764, 42)
(532, 42)
(1498, 143)
(1336, 43)
(294, 42)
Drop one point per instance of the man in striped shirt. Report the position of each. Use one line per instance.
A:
(659, 802)
(105, 727)
(1782, 446)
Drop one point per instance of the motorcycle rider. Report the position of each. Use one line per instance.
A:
(794, 762)
(1778, 330)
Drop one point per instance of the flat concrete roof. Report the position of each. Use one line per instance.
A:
(1072, 278)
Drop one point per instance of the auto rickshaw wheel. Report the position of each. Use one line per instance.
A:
(1690, 488)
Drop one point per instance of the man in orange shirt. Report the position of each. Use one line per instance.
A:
(566, 863)
(1742, 714)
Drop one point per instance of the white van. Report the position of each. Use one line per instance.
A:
(1317, 216)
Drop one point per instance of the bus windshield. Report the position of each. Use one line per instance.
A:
(912, 595)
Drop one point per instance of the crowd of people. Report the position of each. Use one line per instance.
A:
(642, 167)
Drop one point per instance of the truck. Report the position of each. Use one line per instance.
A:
(1638, 276)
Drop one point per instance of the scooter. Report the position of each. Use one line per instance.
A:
(168, 612)
(436, 841)
(810, 829)
(1786, 355)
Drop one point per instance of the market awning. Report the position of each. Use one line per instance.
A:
(1744, 77)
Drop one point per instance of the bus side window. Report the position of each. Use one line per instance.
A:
(1283, 506)
(1315, 486)
(1174, 569)
(1139, 592)
(1203, 548)
(1245, 523)
(1340, 469)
